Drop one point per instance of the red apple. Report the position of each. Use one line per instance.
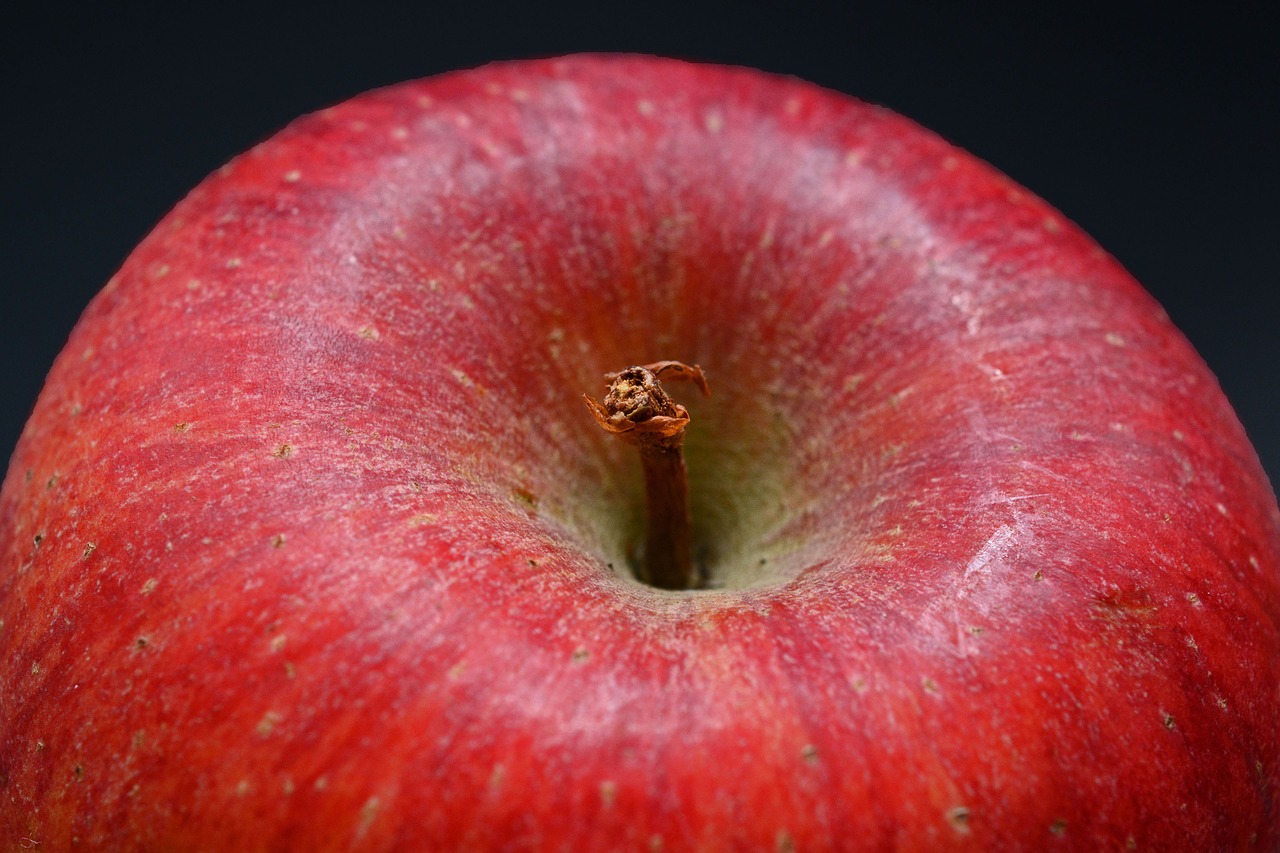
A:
(311, 544)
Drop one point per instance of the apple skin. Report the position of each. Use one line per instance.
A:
(309, 543)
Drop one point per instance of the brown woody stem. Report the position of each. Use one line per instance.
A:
(638, 411)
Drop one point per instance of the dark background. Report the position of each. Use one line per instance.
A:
(1157, 134)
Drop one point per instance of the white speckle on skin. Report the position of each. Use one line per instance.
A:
(368, 814)
(292, 176)
(555, 337)
(973, 315)
(714, 122)
(994, 373)
(268, 723)
(645, 107)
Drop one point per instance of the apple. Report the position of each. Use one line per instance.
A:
(311, 544)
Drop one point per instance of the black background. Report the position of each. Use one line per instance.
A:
(1157, 134)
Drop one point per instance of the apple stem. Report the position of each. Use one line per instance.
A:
(638, 410)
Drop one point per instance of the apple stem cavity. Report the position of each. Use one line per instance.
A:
(639, 411)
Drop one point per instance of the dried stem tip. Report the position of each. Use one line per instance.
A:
(638, 410)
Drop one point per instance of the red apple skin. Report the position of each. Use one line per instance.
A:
(307, 543)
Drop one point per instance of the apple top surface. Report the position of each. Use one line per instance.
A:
(310, 538)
